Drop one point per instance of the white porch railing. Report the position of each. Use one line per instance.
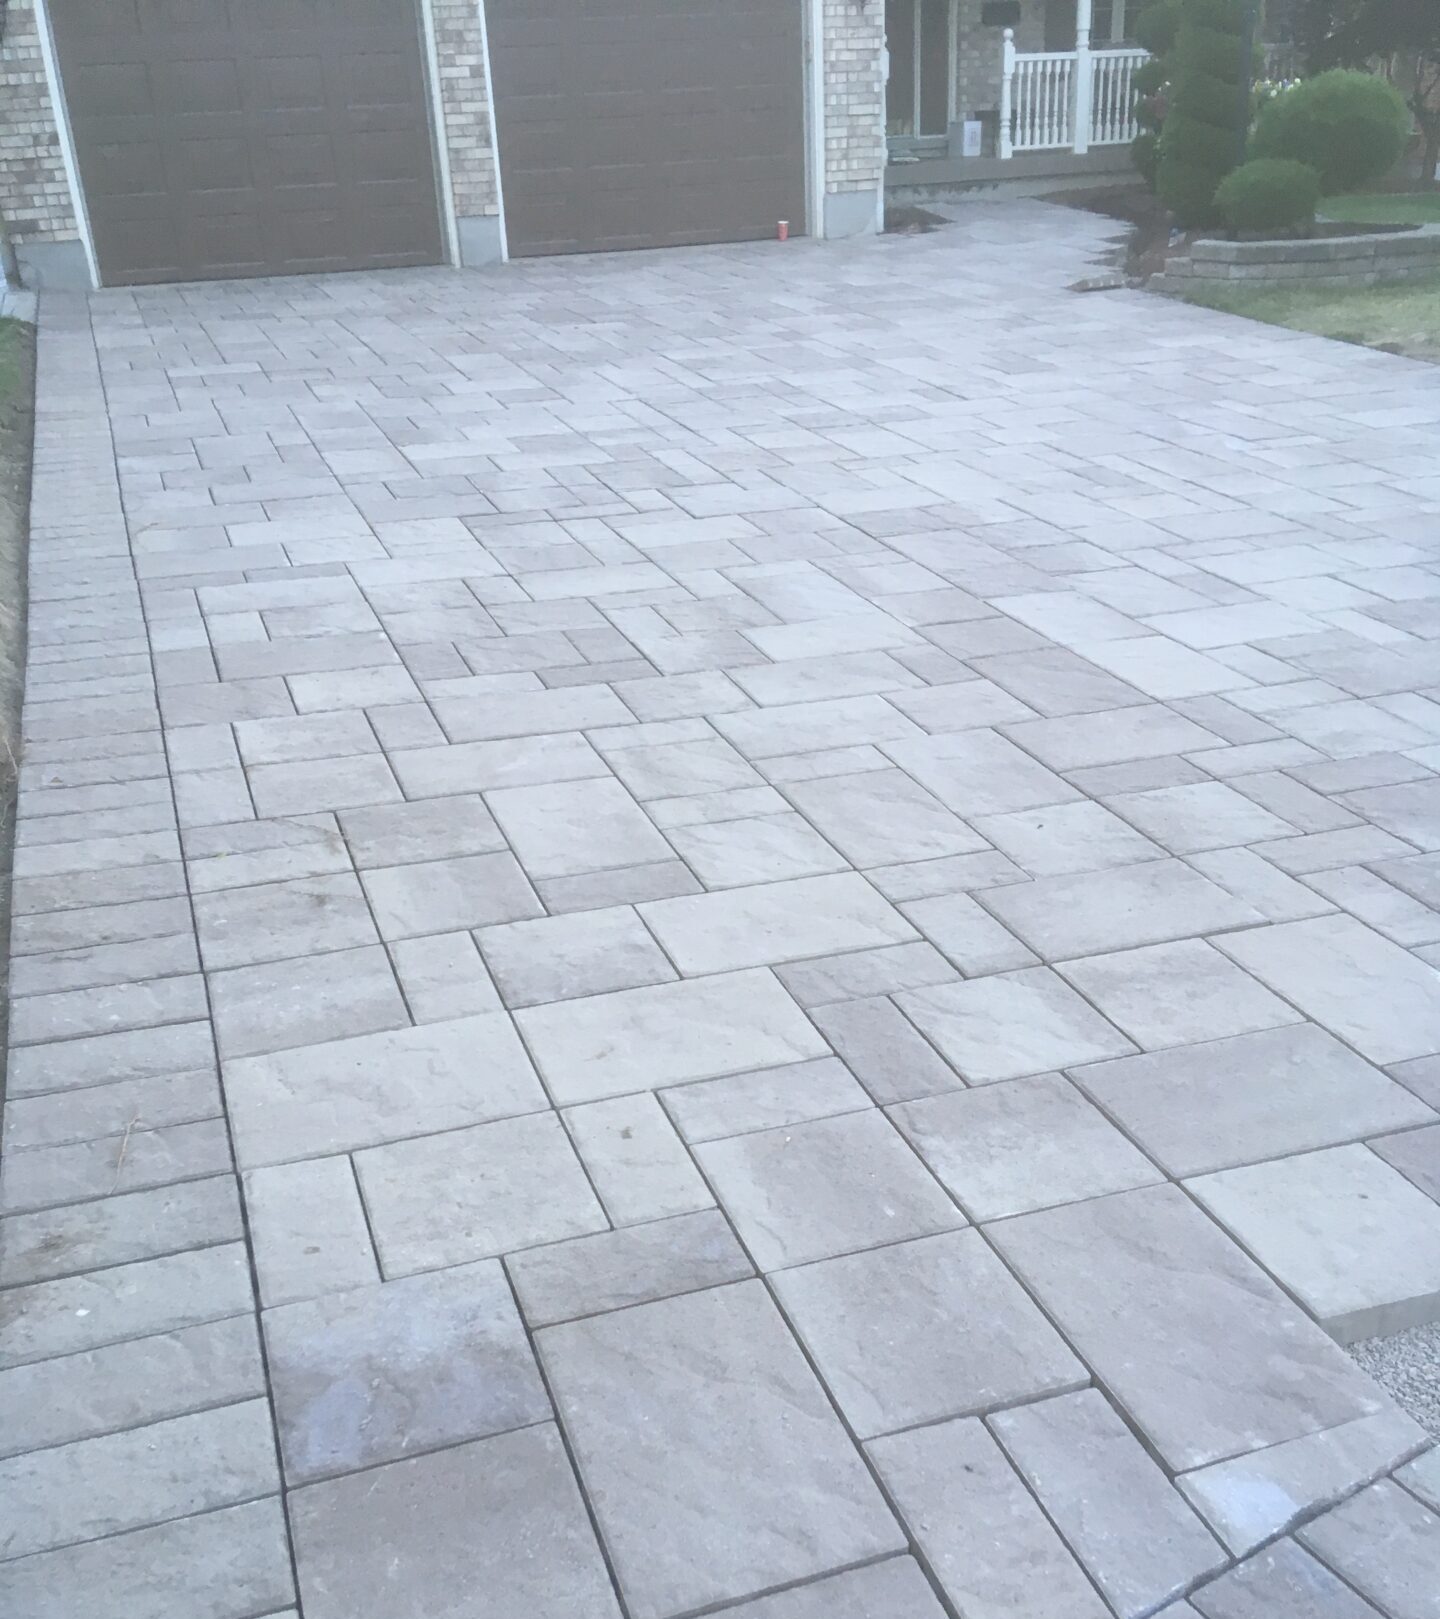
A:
(1071, 100)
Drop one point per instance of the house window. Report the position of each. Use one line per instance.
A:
(1107, 23)
(919, 96)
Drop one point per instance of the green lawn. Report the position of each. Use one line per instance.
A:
(1402, 316)
(1378, 208)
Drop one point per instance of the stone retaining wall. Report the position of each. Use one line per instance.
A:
(1331, 260)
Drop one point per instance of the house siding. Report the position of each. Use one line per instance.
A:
(34, 189)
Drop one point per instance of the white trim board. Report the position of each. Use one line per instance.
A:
(68, 157)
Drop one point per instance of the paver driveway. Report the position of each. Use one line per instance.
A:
(803, 885)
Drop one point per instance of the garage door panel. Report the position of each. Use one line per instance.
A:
(646, 123)
(248, 137)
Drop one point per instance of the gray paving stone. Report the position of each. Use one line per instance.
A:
(1011, 1025)
(882, 817)
(77, 1313)
(128, 1480)
(135, 1161)
(119, 1230)
(157, 1102)
(307, 1226)
(1125, 1521)
(245, 853)
(923, 1330)
(824, 1187)
(977, 1526)
(805, 727)
(530, 714)
(1422, 1076)
(713, 1108)
(1282, 1582)
(1057, 681)
(980, 773)
(239, 927)
(968, 935)
(76, 1013)
(94, 966)
(470, 1194)
(1188, 820)
(1346, 976)
(883, 1051)
(444, 896)
(636, 1162)
(627, 885)
(774, 922)
(1173, 994)
(759, 849)
(707, 764)
(1022, 1145)
(775, 1492)
(304, 1001)
(861, 973)
(499, 1521)
(432, 829)
(1416, 1154)
(1422, 1477)
(1386, 1545)
(1186, 1334)
(443, 977)
(1346, 1234)
(474, 767)
(1250, 1499)
(614, 1269)
(129, 1385)
(570, 828)
(1066, 838)
(360, 1092)
(894, 1589)
(665, 1034)
(1198, 1108)
(387, 1371)
(228, 1564)
(1113, 737)
(566, 957)
(324, 784)
(1093, 912)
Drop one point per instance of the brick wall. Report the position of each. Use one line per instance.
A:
(854, 95)
(34, 193)
(460, 49)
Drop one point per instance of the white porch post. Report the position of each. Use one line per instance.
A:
(1007, 93)
(1084, 76)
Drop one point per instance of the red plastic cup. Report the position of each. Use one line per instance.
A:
(782, 230)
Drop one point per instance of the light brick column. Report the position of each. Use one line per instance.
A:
(854, 97)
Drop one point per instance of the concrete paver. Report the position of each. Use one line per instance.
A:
(678, 854)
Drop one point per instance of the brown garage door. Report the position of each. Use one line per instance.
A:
(648, 123)
(249, 137)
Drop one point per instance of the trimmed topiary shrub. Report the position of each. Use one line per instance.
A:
(1204, 130)
(1268, 194)
(1145, 155)
(1350, 126)
(1155, 28)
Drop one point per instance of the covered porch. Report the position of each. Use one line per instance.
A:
(999, 89)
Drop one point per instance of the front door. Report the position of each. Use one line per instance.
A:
(919, 95)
